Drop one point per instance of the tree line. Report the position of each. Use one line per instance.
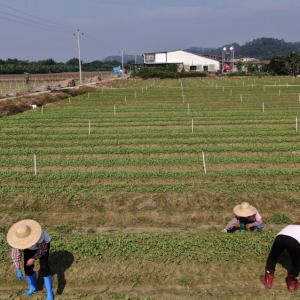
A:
(15, 66)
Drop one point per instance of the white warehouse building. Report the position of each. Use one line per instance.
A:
(185, 60)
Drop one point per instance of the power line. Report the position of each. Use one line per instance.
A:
(56, 28)
(100, 44)
(34, 25)
(36, 16)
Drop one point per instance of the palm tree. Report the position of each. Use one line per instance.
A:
(292, 60)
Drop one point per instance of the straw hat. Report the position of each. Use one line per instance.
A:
(244, 210)
(24, 234)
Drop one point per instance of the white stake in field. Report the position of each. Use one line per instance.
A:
(34, 161)
(203, 158)
(192, 124)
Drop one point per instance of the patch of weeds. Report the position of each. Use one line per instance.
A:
(116, 296)
(3, 230)
(91, 230)
(64, 229)
(80, 295)
(185, 282)
(101, 221)
(281, 219)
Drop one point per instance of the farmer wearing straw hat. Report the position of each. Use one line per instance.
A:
(288, 238)
(28, 235)
(248, 217)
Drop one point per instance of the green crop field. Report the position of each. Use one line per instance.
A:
(135, 183)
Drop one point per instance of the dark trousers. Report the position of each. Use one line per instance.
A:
(292, 246)
(44, 266)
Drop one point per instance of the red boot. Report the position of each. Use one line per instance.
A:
(293, 283)
(267, 279)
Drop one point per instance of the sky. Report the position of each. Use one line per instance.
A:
(38, 29)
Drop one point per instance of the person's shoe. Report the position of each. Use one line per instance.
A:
(31, 280)
(293, 283)
(267, 279)
(49, 287)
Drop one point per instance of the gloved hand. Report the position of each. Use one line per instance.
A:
(20, 275)
(224, 230)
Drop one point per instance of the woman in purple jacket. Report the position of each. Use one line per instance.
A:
(247, 215)
(288, 238)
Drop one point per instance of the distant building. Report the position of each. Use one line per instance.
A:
(185, 60)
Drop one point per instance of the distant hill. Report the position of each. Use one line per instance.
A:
(261, 48)
(127, 57)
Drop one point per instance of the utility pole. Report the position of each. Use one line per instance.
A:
(79, 56)
(122, 62)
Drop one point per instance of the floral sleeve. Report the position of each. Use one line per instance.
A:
(42, 249)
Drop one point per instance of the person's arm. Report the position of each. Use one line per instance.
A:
(16, 256)
(254, 224)
(232, 223)
(42, 249)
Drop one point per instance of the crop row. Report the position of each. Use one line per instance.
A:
(159, 150)
(10, 176)
(144, 135)
(34, 142)
(160, 123)
(68, 190)
(155, 161)
(163, 247)
(210, 132)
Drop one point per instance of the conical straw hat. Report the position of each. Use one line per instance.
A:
(24, 234)
(244, 210)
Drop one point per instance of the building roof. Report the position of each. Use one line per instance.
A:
(183, 51)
